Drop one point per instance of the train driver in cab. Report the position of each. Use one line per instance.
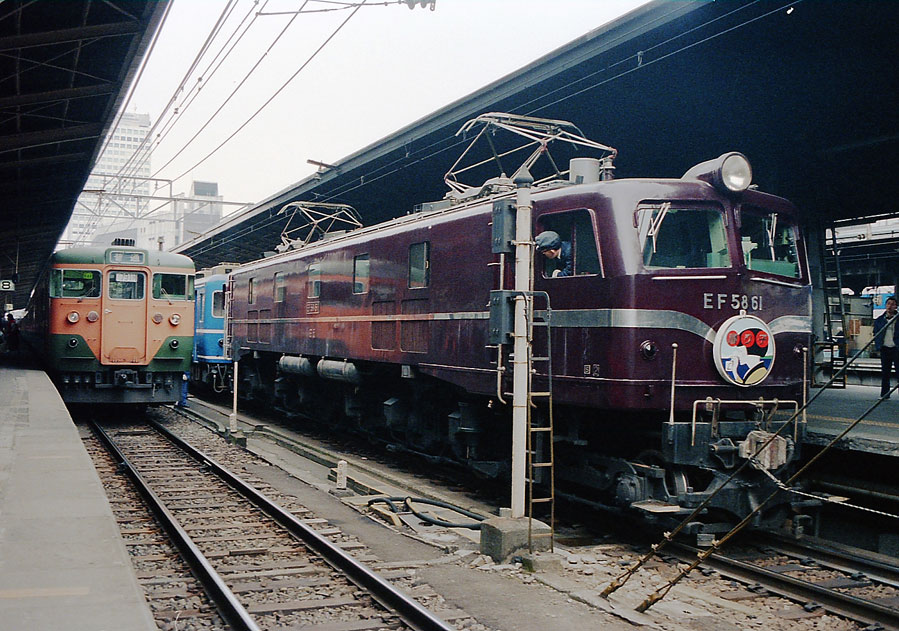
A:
(550, 245)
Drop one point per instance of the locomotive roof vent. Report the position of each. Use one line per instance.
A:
(583, 170)
(120, 241)
(730, 173)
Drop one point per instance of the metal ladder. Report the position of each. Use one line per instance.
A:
(834, 318)
(541, 435)
(229, 332)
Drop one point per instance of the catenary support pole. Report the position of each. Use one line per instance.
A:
(521, 377)
(232, 418)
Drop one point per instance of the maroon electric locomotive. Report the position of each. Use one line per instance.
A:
(677, 329)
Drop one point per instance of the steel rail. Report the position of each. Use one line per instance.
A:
(409, 610)
(859, 609)
(835, 556)
(229, 606)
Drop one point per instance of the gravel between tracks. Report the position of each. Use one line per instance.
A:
(504, 596)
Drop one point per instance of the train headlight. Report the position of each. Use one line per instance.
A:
(73, 342)
(157, 318)
(175, 319)
(649, 349)
(174, 344)
(735, 173)
(93, 316)
(73, 317)
(730, 173)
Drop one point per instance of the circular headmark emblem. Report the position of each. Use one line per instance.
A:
(743, 350)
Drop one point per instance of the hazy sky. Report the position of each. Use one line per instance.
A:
(386, 67)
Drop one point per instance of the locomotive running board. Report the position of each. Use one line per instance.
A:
(654, 506)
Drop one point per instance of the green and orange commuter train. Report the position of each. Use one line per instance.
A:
(115, 324)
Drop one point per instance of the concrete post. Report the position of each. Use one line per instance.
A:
(521, 378)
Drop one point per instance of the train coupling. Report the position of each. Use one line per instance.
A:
(765, 450)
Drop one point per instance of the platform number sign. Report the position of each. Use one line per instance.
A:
(7, 285)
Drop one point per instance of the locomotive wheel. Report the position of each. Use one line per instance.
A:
(676, 482)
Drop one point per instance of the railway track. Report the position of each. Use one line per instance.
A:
(219, 554)
(819, 577)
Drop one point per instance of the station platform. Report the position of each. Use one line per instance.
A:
(62, 562)
(835, 409)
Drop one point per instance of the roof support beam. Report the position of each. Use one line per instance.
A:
(46, 137)
(61, 36)
(101, 89)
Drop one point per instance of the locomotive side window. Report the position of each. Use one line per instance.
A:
(361, 272)
(173, 286)
(127, 285)
(251, 291)
(74, 283)
(419, 265)
(200, 308)
(769, 243)
(680, 237)
(218, 304)
(280, 287)
(314, 284)
(576, 229)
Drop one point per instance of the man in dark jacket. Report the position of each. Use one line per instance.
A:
(886, 340)
(550, 245)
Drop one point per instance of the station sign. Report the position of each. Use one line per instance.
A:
(7, 285)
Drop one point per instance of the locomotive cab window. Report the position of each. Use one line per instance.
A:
(173, 286)
(127, 285)
(74, 283)
(768, 241)
(419, 265)
(677, 236)
(252, 288)
(577, 254)
(361, 274)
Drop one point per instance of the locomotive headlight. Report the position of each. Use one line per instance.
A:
(157, 318)
(730, 173)
(649, 349)
(93, 316)
(221, 342)
(175, 319)
(174, 344)
(735, 173)
(73, 317)
(73, 342)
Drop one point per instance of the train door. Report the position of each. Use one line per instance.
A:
(124, 338)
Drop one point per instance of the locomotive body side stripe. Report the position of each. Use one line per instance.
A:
(568, 318)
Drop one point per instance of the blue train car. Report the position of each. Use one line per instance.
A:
(210, 367)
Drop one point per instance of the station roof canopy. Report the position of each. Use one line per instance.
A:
(807, 90)
(64, 70)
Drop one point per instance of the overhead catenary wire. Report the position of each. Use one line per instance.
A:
(273, 96)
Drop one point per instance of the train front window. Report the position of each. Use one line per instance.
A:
(127, 285)
(74, 283)
(172, 286)
(769, 243)
(218, 304)
(674, 236)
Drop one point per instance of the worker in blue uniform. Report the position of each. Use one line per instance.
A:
(550, 245)
(886, 340)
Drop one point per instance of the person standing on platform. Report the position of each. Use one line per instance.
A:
(886, 340)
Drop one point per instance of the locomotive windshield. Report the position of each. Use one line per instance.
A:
(769, 243)
(677, 236)
(74, 283)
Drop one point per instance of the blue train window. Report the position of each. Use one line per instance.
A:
(218, 304)
(361, 273)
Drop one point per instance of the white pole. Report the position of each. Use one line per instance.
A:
(232, 418)
(524, 261)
